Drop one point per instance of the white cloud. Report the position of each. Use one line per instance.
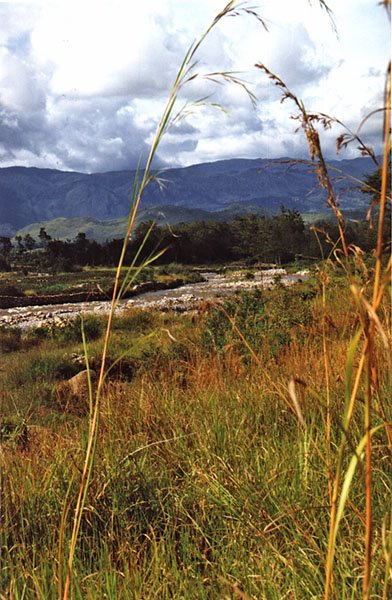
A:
(109, 49)
(82, 84)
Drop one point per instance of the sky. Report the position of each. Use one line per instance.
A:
(83, 83)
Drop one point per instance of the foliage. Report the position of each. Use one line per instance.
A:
(9, 289)
(372, 184)
(266, 320)
(208, 474)
(72, 332)
(4, 264)
(281, 238)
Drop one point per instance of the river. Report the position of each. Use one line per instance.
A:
(182, 299)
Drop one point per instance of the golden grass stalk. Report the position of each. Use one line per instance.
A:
(185, 74)
(368, 317)
(372, 378)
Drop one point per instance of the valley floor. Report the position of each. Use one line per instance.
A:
(220, 436)
(176, 295)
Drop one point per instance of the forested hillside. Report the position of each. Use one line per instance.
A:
(31, 195)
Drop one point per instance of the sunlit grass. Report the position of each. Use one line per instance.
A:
(242, 452)
(204, 480)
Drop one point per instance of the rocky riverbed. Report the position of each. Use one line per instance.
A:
(183, 299)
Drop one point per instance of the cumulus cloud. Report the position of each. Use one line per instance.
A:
(82, 84)
(107, 50)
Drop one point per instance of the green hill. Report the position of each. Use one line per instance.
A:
(68, 228)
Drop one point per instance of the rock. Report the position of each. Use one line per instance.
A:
(72, 395)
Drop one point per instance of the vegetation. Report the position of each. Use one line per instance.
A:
(205, 482)
(242, 452)
(89, 281)
(278, 239)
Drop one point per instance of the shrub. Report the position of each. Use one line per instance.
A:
(147, 274)
(72, 332)
(4, 264)
(135, 321)
(249, 275)
(50, 367)
(265, 320)
(7, 289)
(172, 269)
(194, 277)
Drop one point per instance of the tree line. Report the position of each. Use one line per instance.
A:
(278, 239)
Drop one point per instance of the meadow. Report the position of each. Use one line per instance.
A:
(242, 451)
(210, 481)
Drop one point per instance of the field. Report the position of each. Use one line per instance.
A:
(212, 476)
(88, 279)
(241, 451)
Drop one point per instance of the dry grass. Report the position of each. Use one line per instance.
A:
(253, 465)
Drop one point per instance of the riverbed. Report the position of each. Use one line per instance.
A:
(184, 299)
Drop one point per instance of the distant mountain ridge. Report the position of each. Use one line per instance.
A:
(32, 195)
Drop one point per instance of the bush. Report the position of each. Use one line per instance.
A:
(51, 367)
(136, 321)
(265, 320)
(72, 332)
(7, 289)
(60, 264)
(172, 269)
(4, 265)
(147, 274)
(194, 277)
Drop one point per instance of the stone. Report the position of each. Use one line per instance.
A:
(72, 395)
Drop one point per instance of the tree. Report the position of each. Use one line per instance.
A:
(5, 245)
(29, 241)
(251, 237)
(18, 239)
(373, 188)
(373, 184)
(289, 235)
(4, 265)
(44, 237)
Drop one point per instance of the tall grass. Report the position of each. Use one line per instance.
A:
(368, 304)
(246, 456)
(185, 74)
(206, 481)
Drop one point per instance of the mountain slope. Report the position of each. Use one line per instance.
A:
(68, 228)
(31, 195)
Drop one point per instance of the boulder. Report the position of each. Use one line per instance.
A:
(72, 395)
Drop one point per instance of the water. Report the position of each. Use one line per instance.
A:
(180, 299)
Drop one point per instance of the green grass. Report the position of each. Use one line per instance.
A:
(90, 279)
(205, 485)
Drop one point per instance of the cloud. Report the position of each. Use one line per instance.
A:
(104, 51)
(83, 84)
(295, 57)
(16, 19)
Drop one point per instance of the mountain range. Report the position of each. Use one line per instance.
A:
(220, 189)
